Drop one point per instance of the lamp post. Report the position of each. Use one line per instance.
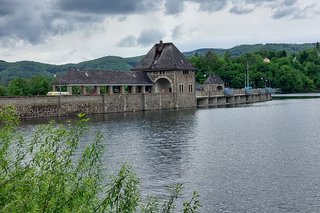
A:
(264, 80)
(55, 76)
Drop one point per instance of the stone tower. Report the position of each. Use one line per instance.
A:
(170, 72)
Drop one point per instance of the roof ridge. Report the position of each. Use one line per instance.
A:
(164, 56)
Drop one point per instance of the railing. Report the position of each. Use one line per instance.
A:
(208, 94)
(236, 92)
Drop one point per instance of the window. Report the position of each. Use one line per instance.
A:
(185, 72)
(190, 88)
(181, 88)
(162, 72)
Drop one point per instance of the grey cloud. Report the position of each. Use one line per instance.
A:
(145, 38)
(211, 5)
(177, 32)
(182, 31)
(293, 12)
(238, 10)
(280, 8)
(129, 41)
(150, 36)
(7, 7)
(33, 21)
(257, 1)
(173, 6)
(107, 6)
(283, 12)
(305, 12)
(23, 22)
(289, 2)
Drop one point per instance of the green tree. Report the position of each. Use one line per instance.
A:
(298, 72)
(227, 56)
(2, 90)
(18, 87)
(39, 85)
(282, 54)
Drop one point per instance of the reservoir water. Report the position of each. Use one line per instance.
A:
(263, 157)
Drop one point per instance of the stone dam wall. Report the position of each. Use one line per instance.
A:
(53, 106)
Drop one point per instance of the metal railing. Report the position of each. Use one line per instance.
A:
(235, 92)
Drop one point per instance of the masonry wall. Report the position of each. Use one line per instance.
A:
(47, 106)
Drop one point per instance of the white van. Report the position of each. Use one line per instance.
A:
(55, 93)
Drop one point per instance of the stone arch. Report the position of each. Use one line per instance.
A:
(162, 85)
(219, 88)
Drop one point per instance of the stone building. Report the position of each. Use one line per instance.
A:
(213, 84)
(168, 69)
(163, 70)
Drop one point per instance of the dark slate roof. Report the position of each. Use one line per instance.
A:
(104, 78)
(164, 56)
(214, 79)
(199, 87)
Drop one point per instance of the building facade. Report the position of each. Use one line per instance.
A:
(163, 70)
(213, 84)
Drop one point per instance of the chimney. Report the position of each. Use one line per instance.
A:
(160, 46)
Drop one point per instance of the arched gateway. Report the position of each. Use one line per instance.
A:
(162, 85)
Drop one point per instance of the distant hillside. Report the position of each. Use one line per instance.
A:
(243, 49)
(27, 69)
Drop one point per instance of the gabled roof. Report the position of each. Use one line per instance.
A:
(164, 56)
(214, 79)
(76, 77)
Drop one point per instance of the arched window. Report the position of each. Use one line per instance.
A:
(163, 85)
(219, 88)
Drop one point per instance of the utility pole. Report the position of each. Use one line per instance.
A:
(247, 75)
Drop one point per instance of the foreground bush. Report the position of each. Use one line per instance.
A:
(43, 175)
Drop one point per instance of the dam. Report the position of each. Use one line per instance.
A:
(163, 79)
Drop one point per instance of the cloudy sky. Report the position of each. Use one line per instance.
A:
(70, 31)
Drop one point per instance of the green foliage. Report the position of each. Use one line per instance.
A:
(291, 73)
(18, 87)
(37, 85)
(175, 192)
(47, 173)
(3, 91)
(193, 205)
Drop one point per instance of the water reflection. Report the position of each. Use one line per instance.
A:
(155, 143)
(166, 138)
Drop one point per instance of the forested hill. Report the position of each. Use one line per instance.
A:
(27, 69)
(246, 48)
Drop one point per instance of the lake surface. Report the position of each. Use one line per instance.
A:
(263, 157)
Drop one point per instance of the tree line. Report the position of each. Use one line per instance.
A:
(37, 85)
(298, 72)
